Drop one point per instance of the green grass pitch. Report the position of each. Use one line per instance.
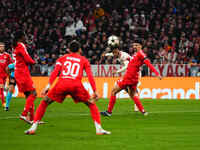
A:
(170, 125)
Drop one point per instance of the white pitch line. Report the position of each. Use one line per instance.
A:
(114, 114)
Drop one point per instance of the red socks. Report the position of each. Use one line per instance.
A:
(111, 103)
(138, 103)
(2, 95)
(31, 112)
(95, 113)
(40, 111)
(29, 104)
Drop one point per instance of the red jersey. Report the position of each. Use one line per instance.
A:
(137, 60)
(71, 66)
(22, 58)
(5, 60)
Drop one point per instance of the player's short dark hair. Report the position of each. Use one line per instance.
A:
(17, 36)
(2, 43)
(138, 40)
(74, 46)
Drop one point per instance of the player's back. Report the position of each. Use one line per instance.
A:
(72, 66)
(20, 63)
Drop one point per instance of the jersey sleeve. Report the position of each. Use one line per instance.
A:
(109, 54)
(148, 63)
(124, 67)
(143, 55)
(24, 53)
(55, 72)
(89, 74)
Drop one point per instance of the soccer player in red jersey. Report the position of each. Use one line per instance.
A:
(70, 69)
(22, 74)
(5, 60)
(130, 79)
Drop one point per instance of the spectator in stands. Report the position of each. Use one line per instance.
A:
(166, 27)
(194, 67)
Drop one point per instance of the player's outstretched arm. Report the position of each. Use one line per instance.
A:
(109, 54)
(148, 63)
(88, 71)
(90, 76)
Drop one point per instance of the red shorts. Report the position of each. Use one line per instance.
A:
(24, 83)
(124, 84)
(69, 87)
(2, 81)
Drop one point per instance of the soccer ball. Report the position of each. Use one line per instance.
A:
(113, 41)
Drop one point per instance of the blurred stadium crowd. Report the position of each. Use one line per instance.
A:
(170, 29)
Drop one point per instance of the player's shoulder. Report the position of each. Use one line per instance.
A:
(6, 55)
(20, 45)
(84, 58)
(125, 54)
(141, 52)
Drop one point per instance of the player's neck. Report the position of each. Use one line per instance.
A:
(20, 41)
(76, 53)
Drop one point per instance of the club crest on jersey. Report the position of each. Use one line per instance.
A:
(2, 61)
